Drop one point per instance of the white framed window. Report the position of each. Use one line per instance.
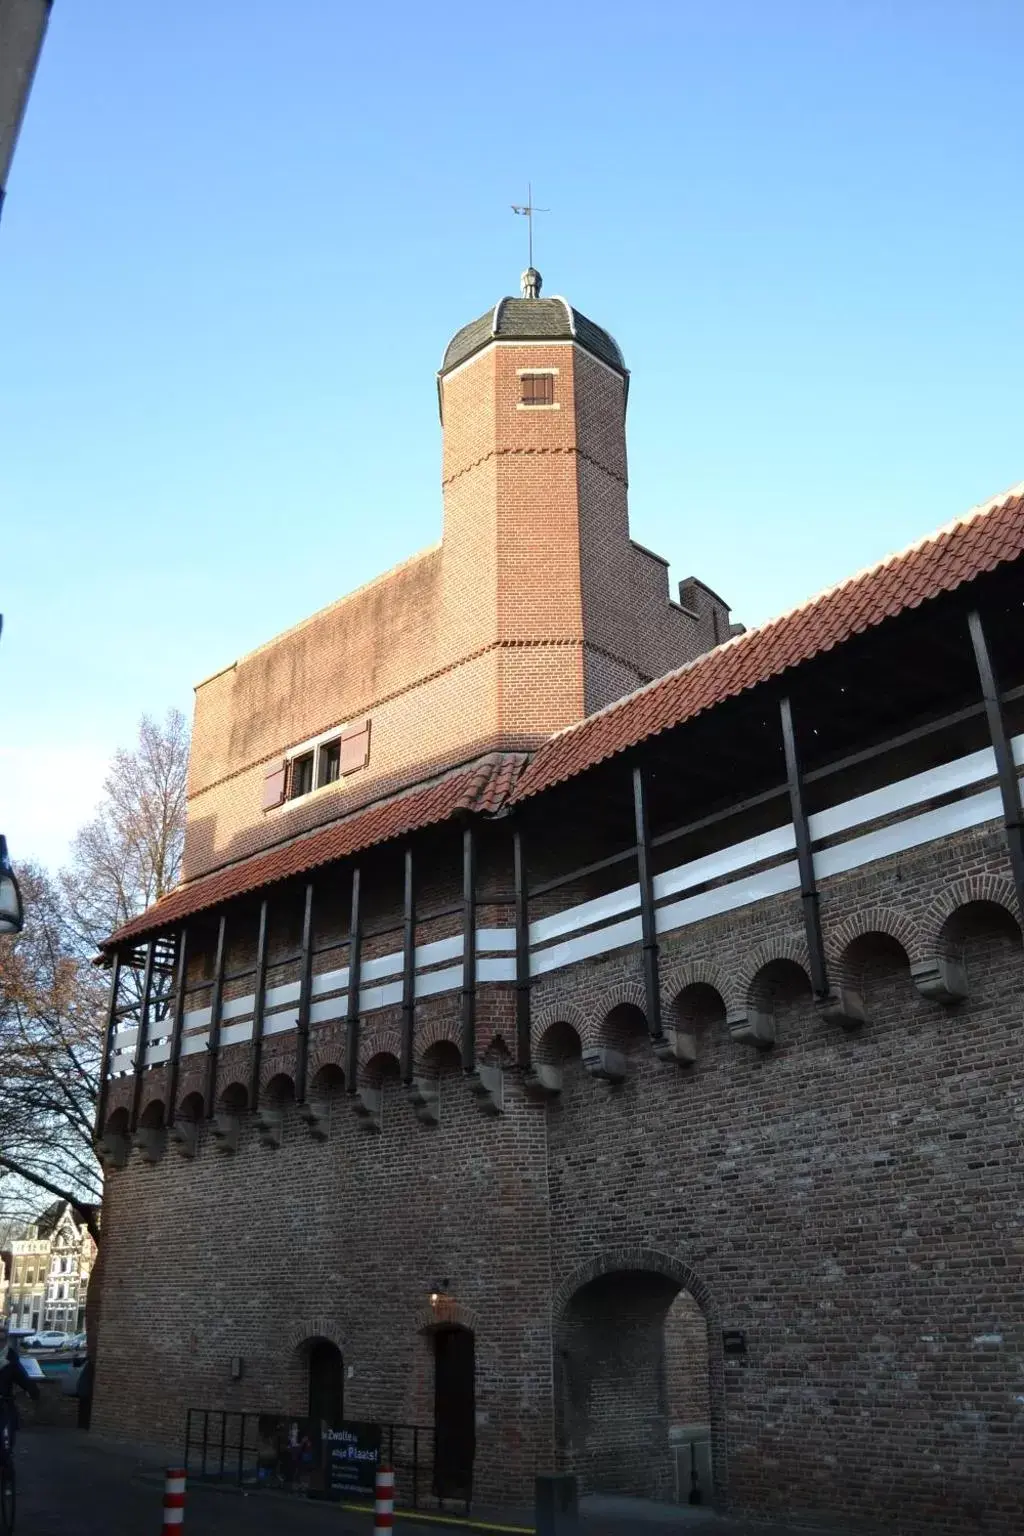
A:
(317, 764)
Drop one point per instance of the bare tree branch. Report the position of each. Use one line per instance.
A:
(52, 999)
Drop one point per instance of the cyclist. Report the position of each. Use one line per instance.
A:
(12, 1374)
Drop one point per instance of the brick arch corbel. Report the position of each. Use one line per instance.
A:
(699, 973)
(570, 1014)
(435, 1032)
(895, 925)
(327, 1052)
(378, 1042)
(276, 1066)
(190, 1080)
(788, 948)
(157, 1096)
(627, 992)
(992, 888)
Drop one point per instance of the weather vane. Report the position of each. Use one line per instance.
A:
(529, 210)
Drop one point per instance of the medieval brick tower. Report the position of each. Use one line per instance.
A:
(538, 559)
(535, 609)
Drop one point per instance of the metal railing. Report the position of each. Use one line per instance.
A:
(228, 1445)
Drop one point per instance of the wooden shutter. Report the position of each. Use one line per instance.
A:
(274, 786)
(355, 747)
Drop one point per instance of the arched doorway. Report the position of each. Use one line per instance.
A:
(326, 1382)
(637, 1382)
(454, 1411)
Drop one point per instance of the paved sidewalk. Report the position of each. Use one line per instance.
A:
(73, 1484)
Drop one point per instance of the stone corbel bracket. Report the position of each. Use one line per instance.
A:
(317, 1115)
(487, 1085)
(542, 1082)
(940, 979)
(676, 1046)
(424, 1094)
(606, 1065)
(112, 1150)
(150, 1144)
(185, 1135)
(753, 1026)
(224, 1129)
(367, 1104)
(269, 1124)
(843, 1006)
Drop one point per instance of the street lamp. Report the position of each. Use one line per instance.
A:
(12, 913)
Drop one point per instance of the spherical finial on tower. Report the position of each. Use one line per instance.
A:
(530, 283)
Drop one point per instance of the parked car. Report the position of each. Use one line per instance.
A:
(50, 1339)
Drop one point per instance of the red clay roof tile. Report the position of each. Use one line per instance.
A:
(986, 537)
(483, 787)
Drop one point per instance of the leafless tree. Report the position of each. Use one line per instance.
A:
(52, 996)
(51, 1022)
(129, 854)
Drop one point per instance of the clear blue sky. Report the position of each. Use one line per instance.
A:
(237, 237)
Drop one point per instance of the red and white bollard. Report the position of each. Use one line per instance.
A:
(174, 1500)
(384, 1503)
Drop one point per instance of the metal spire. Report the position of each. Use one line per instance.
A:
(529, 210)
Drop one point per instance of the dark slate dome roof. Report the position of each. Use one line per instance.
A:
(532, 320)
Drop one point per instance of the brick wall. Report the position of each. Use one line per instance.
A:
(686, 1362)
(850, 1201)
(534, 610)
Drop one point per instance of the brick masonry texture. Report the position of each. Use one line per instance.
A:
(534, 610)
(848, 1200)
(851, 1201)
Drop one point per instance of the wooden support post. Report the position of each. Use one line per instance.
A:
(213, 1038)
(258, 1008)
(804, 856)
(468, 949)
(523, 1012)
(174, 1061)
(108, 1047)
(354, 968)
(1006, 771)
(408, 971)
(305, 995)
(648, 928)
(140, 1042)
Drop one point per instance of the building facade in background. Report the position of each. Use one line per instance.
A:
(48, 1273)
(619, 1014)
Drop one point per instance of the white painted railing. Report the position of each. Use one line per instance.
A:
(733, 877)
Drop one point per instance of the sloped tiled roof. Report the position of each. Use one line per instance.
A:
(483, 787)
(551, 319)
(982, 539)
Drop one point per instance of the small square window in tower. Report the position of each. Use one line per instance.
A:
(537, 389)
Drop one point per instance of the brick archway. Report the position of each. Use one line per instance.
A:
(883, 920)
(651, 1280)
(975, 888)
(313, 1329)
